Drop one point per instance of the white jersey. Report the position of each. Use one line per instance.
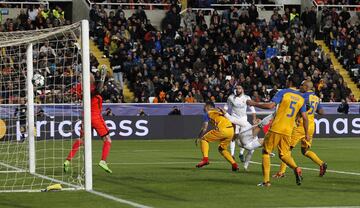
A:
(238, 105)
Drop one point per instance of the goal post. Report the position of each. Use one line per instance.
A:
(42, 118)
(30, 107)
(86, 102)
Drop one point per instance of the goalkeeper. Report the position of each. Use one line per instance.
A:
(97, 121)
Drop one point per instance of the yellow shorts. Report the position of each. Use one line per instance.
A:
(282, 142)
(299, 135)
(224, 135)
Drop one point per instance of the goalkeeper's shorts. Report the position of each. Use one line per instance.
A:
(98, 123)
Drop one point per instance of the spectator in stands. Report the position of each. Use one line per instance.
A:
(58, 13)
(172, 20)
(108, 112)
(189, 19)
(343, 107)
(175, 111)
(142, 113)
(191, 64)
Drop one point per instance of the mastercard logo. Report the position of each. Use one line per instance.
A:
(2, 128)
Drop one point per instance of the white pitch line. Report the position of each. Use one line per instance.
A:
(257, 163)
(75, 187)
(117, 199)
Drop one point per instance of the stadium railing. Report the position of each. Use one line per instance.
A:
(11, 9)
(265, 10)
(131, 6)
(260, 7)
(21, 5)
(351, 8)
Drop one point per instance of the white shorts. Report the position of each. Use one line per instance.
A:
(248, 141)
(244, 124)
(252, 145)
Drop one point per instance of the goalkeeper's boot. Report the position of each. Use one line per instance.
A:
(272, 154)
(323, 168)
(279, 175)
(241, 157)
(202, 163)
(264, 184)
(298, 175)
(104, 166)
(66, 166)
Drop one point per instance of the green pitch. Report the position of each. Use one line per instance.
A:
(162, 173)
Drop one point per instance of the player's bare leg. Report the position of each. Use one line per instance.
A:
(76, 145)
(105, 152)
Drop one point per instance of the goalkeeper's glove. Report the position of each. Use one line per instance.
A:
(103, 73)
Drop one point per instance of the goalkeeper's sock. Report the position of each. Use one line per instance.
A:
(74, 149)
(105, 150)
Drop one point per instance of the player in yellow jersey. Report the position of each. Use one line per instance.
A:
(298, 133)
(223, 132)
(290, 102)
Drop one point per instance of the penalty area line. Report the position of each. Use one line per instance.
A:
(117, 199)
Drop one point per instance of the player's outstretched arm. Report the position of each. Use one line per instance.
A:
(270, 105)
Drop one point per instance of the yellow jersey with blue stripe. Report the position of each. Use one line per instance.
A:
(290, 102)
(217, 119)
(314, 102)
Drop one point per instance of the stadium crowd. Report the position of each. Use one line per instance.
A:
(196, 62)
(343, 38)
(57, 60)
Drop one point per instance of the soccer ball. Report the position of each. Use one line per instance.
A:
(38, 80)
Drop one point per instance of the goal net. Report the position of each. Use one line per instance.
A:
(42, 108)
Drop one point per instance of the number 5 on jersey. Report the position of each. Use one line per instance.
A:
(292, 109)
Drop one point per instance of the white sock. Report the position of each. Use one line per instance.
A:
(242, 150)
(232, 148)
(248, 158)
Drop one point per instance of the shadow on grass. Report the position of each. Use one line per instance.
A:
(12, 204)
(133, 183)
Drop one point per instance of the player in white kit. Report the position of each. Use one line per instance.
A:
(237, 104)
(247, 135)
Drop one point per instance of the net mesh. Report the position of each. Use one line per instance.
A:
(56, 57)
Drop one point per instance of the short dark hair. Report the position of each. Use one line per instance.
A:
(210, 103)
(294, 80)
